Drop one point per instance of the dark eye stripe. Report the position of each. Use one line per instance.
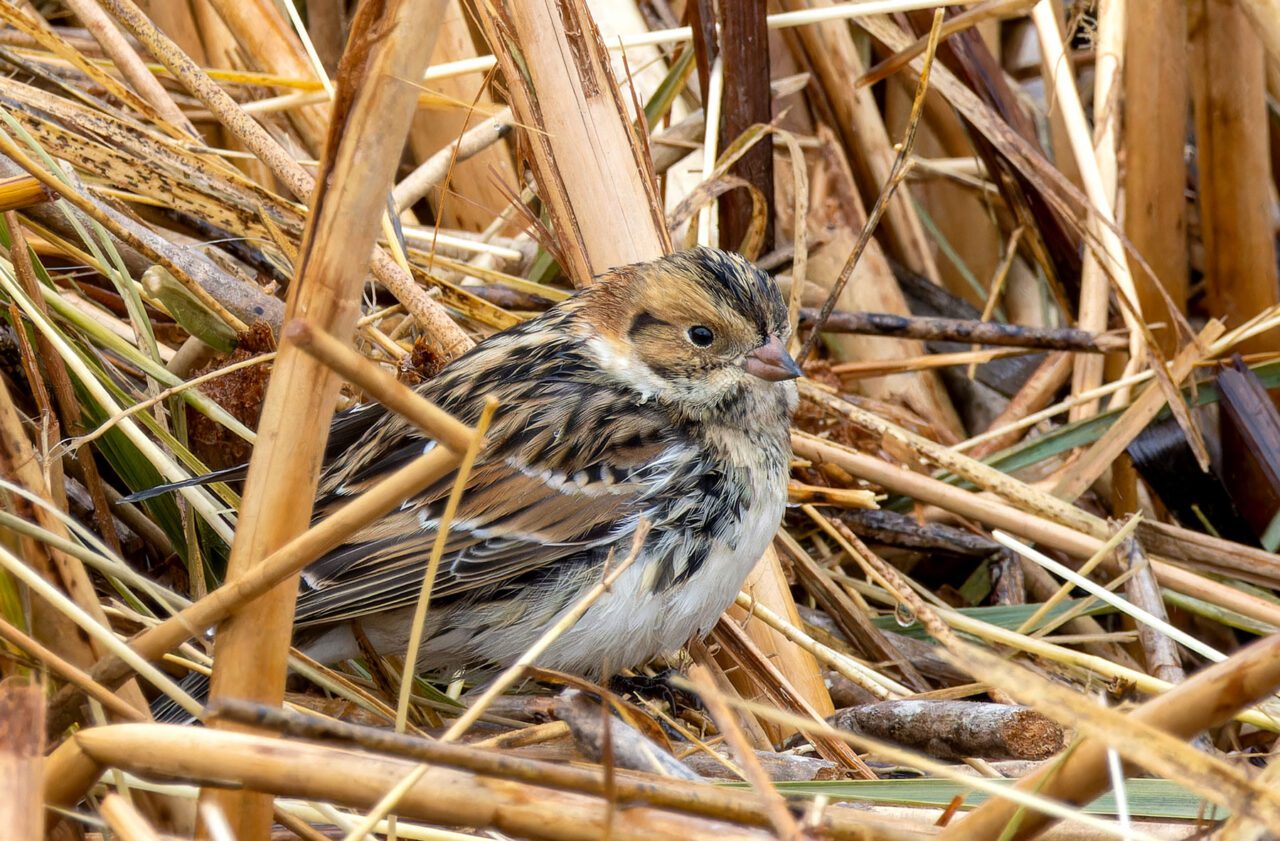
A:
(643, 321)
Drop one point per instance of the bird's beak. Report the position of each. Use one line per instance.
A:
(771, 362)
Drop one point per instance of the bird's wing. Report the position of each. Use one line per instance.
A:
(561, 477)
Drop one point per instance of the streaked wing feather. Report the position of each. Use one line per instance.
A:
(510, 522)
(571, 463)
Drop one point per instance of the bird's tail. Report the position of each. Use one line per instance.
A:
(167, 711)
(227, 474)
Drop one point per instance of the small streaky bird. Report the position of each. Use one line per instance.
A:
(660, 394)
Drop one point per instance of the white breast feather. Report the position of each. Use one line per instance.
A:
(632, 624)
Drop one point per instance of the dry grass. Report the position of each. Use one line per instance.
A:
(215, 233)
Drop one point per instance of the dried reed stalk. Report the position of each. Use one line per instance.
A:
(1208, 698)
(68, 773)
(983, 12)
(705, 665)
(125, 821)
(444, 796)
(1234, 165)
(21, 759)
(29, 22)
(22, 191)
(591, 171)
(271, 43)
(370, 120)
(1154, 144)
(850, 618)
(111, 220)
(835, 58)
(443, 166)
(478, 184)
(1209, 552)
(1265, 16)
(893, 753)
(674, 795)
(837, 661)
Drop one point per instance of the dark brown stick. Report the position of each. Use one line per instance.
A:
(744, 50)
(965, 330)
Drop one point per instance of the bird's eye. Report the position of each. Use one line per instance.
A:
(700, 335)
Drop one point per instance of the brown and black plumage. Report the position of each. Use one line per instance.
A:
(659, 394)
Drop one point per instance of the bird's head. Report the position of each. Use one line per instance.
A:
(694, 329)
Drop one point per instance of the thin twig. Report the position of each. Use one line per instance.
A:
(107, 425)
(433, 170)
(933, 329)
(901, 166)
(417, 629)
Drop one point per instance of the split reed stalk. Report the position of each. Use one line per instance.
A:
(372, 109)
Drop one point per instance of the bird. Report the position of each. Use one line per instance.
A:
(657, 399)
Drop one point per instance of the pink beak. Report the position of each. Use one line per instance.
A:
(771, 362)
